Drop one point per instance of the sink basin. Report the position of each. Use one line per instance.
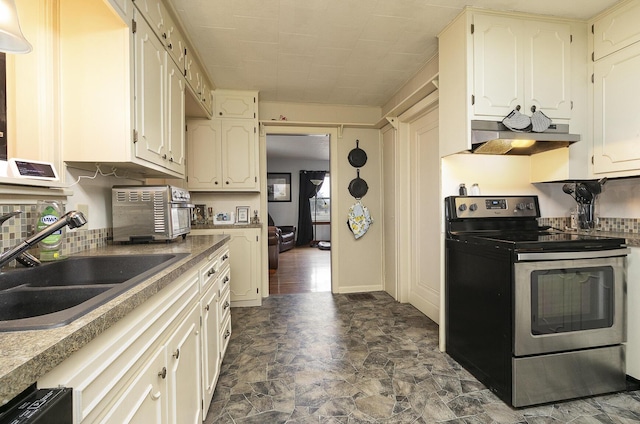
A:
(56, 293)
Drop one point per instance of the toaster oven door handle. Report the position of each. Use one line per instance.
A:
(182, 205)
(553, 256)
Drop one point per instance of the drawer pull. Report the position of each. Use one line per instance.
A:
(226, 280)
(226, 305)
(225, 257)
(206, 308)
(163, 373)
(211, 272)
(227, 334)
(176, 354)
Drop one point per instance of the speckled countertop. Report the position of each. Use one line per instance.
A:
(224, 226)
(25, 356)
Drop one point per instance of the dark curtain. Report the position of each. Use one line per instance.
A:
(307, 191)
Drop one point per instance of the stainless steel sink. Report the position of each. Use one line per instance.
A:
(57, 293)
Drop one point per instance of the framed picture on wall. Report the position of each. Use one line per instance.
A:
(279, 187)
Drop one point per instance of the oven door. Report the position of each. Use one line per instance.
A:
(180, 219)
(569, 304)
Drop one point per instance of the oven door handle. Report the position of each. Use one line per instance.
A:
(552, 256)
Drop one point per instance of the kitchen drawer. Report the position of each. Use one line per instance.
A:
(224, 256)
(209, 273)
(225, 281)
(225, 305)
(225, 336)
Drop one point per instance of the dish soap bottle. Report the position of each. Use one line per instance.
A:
(49, 212)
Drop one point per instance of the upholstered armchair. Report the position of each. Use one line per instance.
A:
(287, 235)
(273, 236)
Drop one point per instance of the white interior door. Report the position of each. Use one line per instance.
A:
(424, 290)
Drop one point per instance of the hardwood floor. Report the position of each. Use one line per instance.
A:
(301, 270)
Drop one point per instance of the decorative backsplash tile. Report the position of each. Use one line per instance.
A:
(614, 225)
(19, 227)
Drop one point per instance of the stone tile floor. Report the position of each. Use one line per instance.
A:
(323, 358)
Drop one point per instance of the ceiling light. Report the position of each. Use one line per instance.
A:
(11, 38)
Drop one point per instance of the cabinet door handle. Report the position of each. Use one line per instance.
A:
(206, 308)
(226, 305)
(227, 334)
(211, 272)
(176, 354)
(164, 156)
(227, 182)
(226, 280)
(170, 159)
(216, 183)
(170, 46)
(163, 373)
(164, 35)
(225, 257)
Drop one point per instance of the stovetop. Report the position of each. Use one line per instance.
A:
(541, 240)
(511, 222)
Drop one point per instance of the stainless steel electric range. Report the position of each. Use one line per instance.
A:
(535, 314)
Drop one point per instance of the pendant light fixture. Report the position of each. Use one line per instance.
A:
(11, 38)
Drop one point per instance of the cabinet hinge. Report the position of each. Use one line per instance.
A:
(571, 38)
(255, 179)
(592, 79)
(593, 56)
(200, 321)
(186, 178)
(593, 31)
(254, 101)
(257, 291)
(473, 100)
(254, 130)
(134, 26)
(472, 28)
(135, 136)
(592, 163)
(571, 104)
(256, 238)
(185, 73)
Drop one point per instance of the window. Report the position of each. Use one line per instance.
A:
(321, 210)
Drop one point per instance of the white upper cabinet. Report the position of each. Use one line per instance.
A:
(492, 62)
(518, 62)
(616, 120)
(160, 91)
(223, 155)
(235, 104)
(617, 28)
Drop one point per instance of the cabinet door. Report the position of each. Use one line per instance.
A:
(616, 30)
(145, 399)
(616, 124)
(174, 42)
(183, 367)
(175, 116)
(245, 267)
(204, 171)
(210, 344)
(153, 12)
(150, 72)
(239, 154)
(231, 104)
(498, 65)
(547, 68)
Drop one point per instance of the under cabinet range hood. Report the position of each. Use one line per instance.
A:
(493, 138)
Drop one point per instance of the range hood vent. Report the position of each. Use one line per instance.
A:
(493, 138)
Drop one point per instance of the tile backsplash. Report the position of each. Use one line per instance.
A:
(19, 227)
(615, 225)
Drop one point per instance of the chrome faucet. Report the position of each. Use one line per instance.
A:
(73, 219)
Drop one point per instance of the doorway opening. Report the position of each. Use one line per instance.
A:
(304, 265)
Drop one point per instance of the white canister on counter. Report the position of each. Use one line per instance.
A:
(475, 189)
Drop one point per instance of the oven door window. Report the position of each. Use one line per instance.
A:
(566, 300)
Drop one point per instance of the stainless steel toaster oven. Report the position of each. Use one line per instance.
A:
(150, 213)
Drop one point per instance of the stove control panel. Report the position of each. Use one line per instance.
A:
(493, 206)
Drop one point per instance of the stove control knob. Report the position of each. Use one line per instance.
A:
(520, 206)
(462, 207)
(473, 207)
(530, 206)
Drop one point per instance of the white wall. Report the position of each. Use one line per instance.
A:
(286, 213)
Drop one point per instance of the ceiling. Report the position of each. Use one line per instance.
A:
(298, 147)
(346, 52)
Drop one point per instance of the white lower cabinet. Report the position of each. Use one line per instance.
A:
(145, 399)
(246, 278)
(160, 363)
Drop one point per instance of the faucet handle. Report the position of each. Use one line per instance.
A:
(9, 215)
(27, 259)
